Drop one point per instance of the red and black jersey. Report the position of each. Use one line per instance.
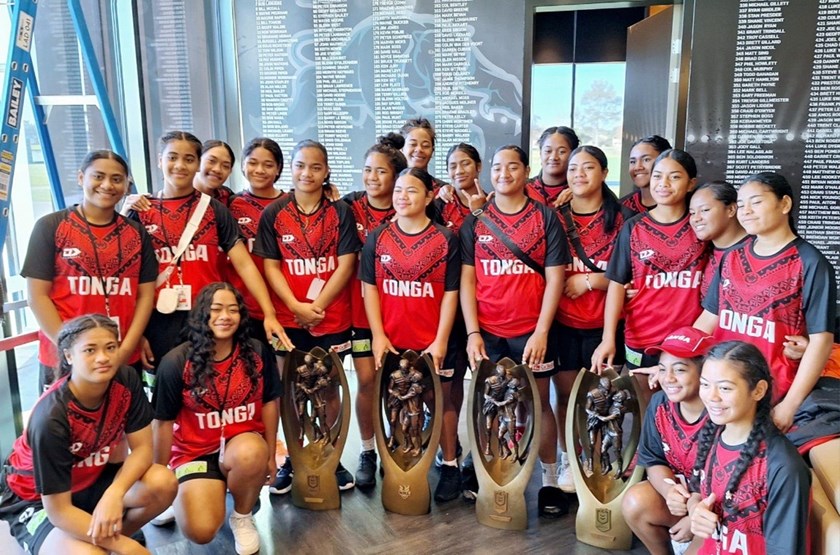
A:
(246, 209)
(224, 195)
(536, 189)
(587, 311)
(451, 214)
(761, 299)
(308, 247)
(231, 405)
(665, 263)
(411, 272)
(66, 445)
(772, 499)
(508, 291)
(367, 218)
(201, 263)
(633, 201)
(86, 264)
(715, 257)
(667, 439)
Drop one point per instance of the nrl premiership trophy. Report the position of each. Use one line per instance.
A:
(598, 406)
(311, 380)
(504, 424)
(408, 443)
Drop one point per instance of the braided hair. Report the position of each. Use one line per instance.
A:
(753, 367)
(202, 349)
(70, 332)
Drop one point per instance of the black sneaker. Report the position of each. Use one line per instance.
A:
(283, 482)
(469, 483)
(449, 485)
(366, 473)
(439, 456)
(344, 478)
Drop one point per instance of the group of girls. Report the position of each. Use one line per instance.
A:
(555, 272)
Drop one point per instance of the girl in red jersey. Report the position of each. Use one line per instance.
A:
(556, 144)
(81, 475)
(413, 253)
(642, 156)
(509, 298)
(750, 488)
(465, 194)
(371, 208)
(217, 234)
(713, 218)
(216, 415)
(657, 254)
(262, 164)
(594, 218)
(309, 245)
(419, 145)
(656, 509)
(96, 261)
(774, 286)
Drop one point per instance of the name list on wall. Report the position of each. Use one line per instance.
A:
(390, 40)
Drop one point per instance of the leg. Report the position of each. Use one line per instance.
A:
(548, 441)
(449, 431)
(200, 508)
(245, 467)
(563, 382)
(648, 517)
(59, 541)
(148, 497)
(366, 376)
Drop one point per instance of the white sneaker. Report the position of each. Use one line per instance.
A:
(679, 547)
(566, 482)
(245, 534)
(164, 518)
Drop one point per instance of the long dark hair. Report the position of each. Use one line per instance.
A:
(779, 186)
(70, 332)
(202, 350)
(611, 205)
(753, 367)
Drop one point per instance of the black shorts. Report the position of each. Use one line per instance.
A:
(456, 361)
(638, 359)
(500, 347)
(28, 520)
(304, 341)
(205, 466)
(575, 347)
(361, 342)
(166, 331)
(256, 329)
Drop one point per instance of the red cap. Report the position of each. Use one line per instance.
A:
(686, 342)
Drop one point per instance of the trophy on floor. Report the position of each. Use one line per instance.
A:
(312, 380)
(406, 441)
(596, 426)
(504, 430)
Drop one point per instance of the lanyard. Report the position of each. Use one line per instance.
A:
(231, 359)
(99, 271)
(296, 212)
(166, 239)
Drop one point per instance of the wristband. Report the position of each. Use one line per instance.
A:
(472, 332)
(588, 285)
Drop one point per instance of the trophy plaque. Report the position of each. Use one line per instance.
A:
(406, 442)
(599, 407)
(504, 430)
(314, 445)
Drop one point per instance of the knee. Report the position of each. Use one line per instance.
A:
(200, 531)
(161, 484)
(635, 502)
(247, 456)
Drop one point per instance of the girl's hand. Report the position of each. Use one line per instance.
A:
(681, 531)
(332, 193)
(437, 350)
(271, 470)
(782, 415)
(534, 352)
(704, 522)
(479, 199)
(308, 315)
(447, 193)
(138, 203)
(475, 350)
(677, 500)
(106, 521)
(575, 286)
(629, 292)
(273, 330)
(604, 352)
(564, 197)
(652, 372)
(795, 346)
(381, 346)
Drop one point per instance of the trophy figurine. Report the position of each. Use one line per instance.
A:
(312, 379)
(600, 404)
(406, 385)
(504, 421)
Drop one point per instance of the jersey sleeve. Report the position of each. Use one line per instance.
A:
(170, 384)
(556, 247)
(467, 236)
(148, 260)
(711, 302)
(265, 244)
(453, 263)
(620, 267)
(48, 434)
(226, 226)
(140, 412)
(367, 264)
(819, 291)
(348, 239)
(650, 442)
(272, 386)
(40, 255)
(788, 498)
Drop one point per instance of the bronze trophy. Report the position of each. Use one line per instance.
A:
(504, 454)
(405, 386)
(314, 445)
(596, 415)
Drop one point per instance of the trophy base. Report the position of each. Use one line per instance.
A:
(407, 492)
(314, 485)
(602, 525)
(502, 508)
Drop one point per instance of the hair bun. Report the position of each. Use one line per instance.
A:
(393, 140)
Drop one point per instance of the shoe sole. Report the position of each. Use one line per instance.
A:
(275, 491)
(346, 487)
(469, 496)
(165, 522)
(567, 489)
(365, 485)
